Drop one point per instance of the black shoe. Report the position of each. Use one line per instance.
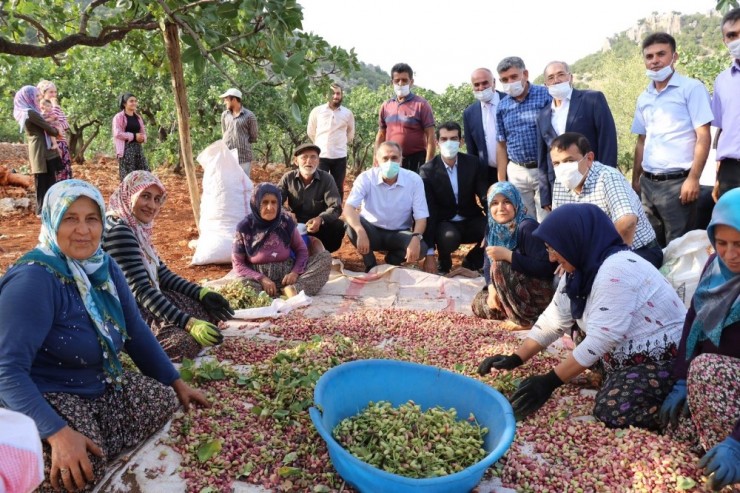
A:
(368, 268)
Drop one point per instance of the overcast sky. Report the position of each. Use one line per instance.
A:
(444, 41)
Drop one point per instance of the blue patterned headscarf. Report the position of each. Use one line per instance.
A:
(505, 234)
(717, 297)
(91, 275)
(584, 236)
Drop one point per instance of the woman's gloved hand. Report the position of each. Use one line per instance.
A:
(722, 464)
(675, 405)
(500, 362)
(533, 392)
(215, 304)
(205, 333)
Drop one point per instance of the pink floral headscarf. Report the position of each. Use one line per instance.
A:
(25, 100)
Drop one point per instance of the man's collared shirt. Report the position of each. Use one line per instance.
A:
(331, 130)
(452, 175)
(668, 119)
(240, 132)
(488, 115)
(726, 109)
(608, 189)
(318, 198)
(393, 207)
(516, 123)
(404, 122)
(560, 115)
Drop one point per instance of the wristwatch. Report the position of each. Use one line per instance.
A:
(418, 234)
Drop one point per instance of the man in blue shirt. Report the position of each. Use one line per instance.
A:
(516, 123)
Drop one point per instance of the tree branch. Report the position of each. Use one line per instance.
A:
(193, 4)
(86, 14)
(115, 33)
(36, 25)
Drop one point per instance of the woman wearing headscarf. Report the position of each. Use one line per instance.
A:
(519, 273)
(628, 321)
(44, 160)
(269, 252)
(48, 91)
(182, 314)
(704, 406)
(66, 313)
(128, 136)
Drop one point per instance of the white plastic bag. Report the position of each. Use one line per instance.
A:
(278, 308)
(683, 261)
(225, 202)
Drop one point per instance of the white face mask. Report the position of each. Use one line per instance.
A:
(402, 91)
(560, 91)
(449, 148)
(485, 95)
(514, 89)
(734, 47)
(659, 75)
(568, 175)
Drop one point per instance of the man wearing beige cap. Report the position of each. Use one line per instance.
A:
(239, 127)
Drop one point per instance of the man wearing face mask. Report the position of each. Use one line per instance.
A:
(408, 120)
(394, 210)
(479, 122)
(581, 179)
(672, 126)
(516, 126)
(452, 181)
(726, 109)
(572, 110)
(312, 197)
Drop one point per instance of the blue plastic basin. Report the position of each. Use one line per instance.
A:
(347, 389)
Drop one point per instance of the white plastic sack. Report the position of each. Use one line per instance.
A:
(278, 308)
(683, 261)
(225, 202)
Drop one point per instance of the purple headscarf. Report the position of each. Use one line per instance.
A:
(26, 99)
(255, 229)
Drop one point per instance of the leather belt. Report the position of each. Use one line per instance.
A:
(665, 176)
(530, 165)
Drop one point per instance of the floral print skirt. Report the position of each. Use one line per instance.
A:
(66, 172)
(133, 159)
(522, 299)
(311, 281)
(713, 386)
(115, 421)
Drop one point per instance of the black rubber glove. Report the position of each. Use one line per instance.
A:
(500, 362)
(216, 305)
(532, 394)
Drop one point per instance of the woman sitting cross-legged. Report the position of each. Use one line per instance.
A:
(269, 252)
(182, 314)
(703, 407)
(518, 271)
(628, 320)
(66, 313)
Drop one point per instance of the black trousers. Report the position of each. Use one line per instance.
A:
(331, 234)
(451, 234)
(44, 181)
(390, 241)
(413, 161)
(728, 175)
(652, 253)
(337, 168)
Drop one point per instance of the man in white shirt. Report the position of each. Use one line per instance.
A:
(394, 210)
(331, 127)
(672, 126)
(479, 122)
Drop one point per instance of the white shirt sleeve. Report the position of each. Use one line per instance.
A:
(555, 320)
(419, 205)
(359, 189)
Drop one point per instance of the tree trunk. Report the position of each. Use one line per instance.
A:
(172, 44)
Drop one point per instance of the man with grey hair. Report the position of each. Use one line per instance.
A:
(516, 126)
(572, 110)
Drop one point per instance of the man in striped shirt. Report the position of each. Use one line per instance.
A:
(239, 127)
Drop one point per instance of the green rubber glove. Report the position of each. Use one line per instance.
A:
(215, 304)
(204, 332)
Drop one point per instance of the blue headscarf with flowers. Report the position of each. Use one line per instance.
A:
(90, 275)
(505, 234)
(717, 297)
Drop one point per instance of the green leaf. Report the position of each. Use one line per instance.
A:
(684, 483)
(320, 488)
(190, 54)
(208, 489)
(281, 413)
(186, 374)
(246, 470)
(295, 110)
(286, 472)
(188, 40)
(291, 457)
(208, 450)
(200, 65)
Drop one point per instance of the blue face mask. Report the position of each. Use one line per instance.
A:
(449, 148)
(389, 169)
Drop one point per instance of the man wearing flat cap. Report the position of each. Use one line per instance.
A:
(311, 195)
(239, 127)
